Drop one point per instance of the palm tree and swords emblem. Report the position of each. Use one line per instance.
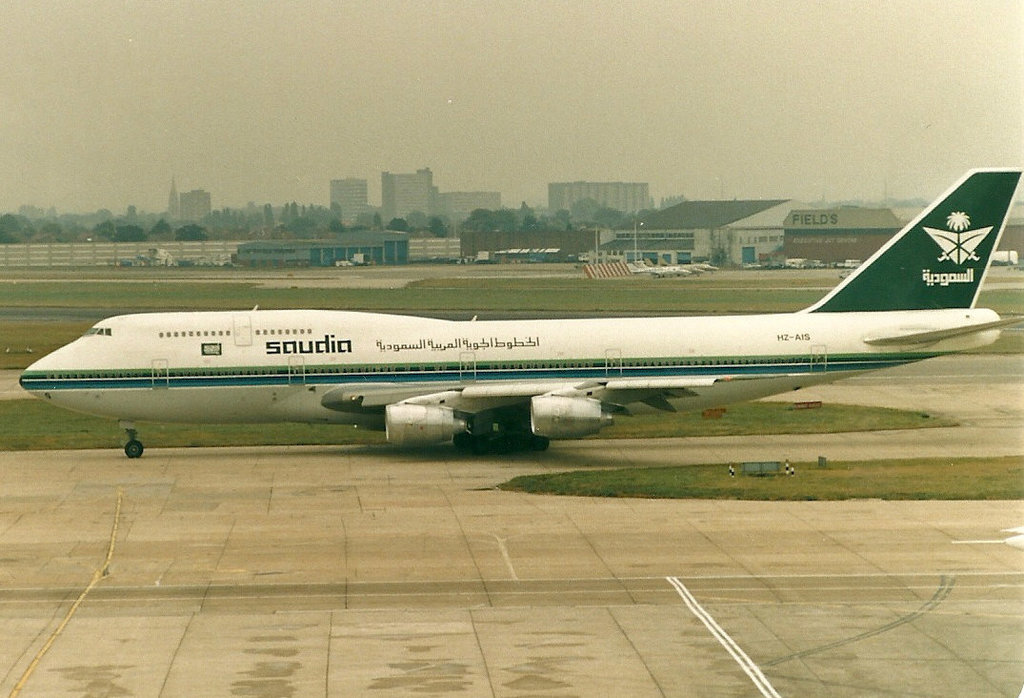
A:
(958, 243)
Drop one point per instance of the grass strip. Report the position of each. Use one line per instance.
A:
(22, 343)
(684, 297)
(904, 479)
(38, 425)
(754, 418)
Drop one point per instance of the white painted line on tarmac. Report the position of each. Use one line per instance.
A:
(505, 556)
(1016, 541)
(746, 663)
(979, 542)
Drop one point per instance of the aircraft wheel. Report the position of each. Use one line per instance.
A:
(133, 449)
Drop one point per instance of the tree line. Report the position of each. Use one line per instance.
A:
(20, 229)
(289, 221)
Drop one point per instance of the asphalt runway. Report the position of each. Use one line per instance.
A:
(313, 571)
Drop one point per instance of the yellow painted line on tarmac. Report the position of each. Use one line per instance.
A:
(96, 577)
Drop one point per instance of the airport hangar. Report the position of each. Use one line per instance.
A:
(368, 247)
(738, 232)
(721, 232)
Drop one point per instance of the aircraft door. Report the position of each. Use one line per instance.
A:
(819, 358)
(243, 330)
(161, 373)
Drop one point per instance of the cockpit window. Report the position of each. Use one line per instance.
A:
(102, 331)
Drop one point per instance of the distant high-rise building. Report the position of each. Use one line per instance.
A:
(350, 196)
(401, 194)
(621, 196)
(457, 205)
(173, 203)
(194, 205)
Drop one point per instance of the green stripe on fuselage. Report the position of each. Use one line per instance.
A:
(483, 371)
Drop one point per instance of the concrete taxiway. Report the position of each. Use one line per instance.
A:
(337, 571)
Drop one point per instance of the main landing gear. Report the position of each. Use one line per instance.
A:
(500, 442)
(134, 447)
(500, 431)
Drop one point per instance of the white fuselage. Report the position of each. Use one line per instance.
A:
(277, 365)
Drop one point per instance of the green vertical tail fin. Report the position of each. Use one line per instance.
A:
(939, 259)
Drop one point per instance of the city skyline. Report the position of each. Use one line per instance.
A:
(447, 204)
(106, 101)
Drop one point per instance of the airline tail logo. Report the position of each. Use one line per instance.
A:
(958, 243)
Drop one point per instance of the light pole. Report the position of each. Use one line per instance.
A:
(634, 239)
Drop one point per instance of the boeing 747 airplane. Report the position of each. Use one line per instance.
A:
(496, 386)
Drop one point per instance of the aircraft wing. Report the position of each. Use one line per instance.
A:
(928, 336)
(469, 396)
(476, 396)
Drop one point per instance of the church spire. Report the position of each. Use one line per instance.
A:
(173, 202)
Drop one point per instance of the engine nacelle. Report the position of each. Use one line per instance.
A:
(559, 417)
(420, 425)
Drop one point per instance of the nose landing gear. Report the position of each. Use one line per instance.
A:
(134, 447)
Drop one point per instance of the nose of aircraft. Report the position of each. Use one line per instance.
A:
(25, 380)
(34, 378)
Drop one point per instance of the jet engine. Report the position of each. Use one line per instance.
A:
(559, 417)
(420, 425)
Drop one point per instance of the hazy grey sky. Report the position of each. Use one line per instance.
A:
(103, 101)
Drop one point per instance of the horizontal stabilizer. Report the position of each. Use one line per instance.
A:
(922, 336)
